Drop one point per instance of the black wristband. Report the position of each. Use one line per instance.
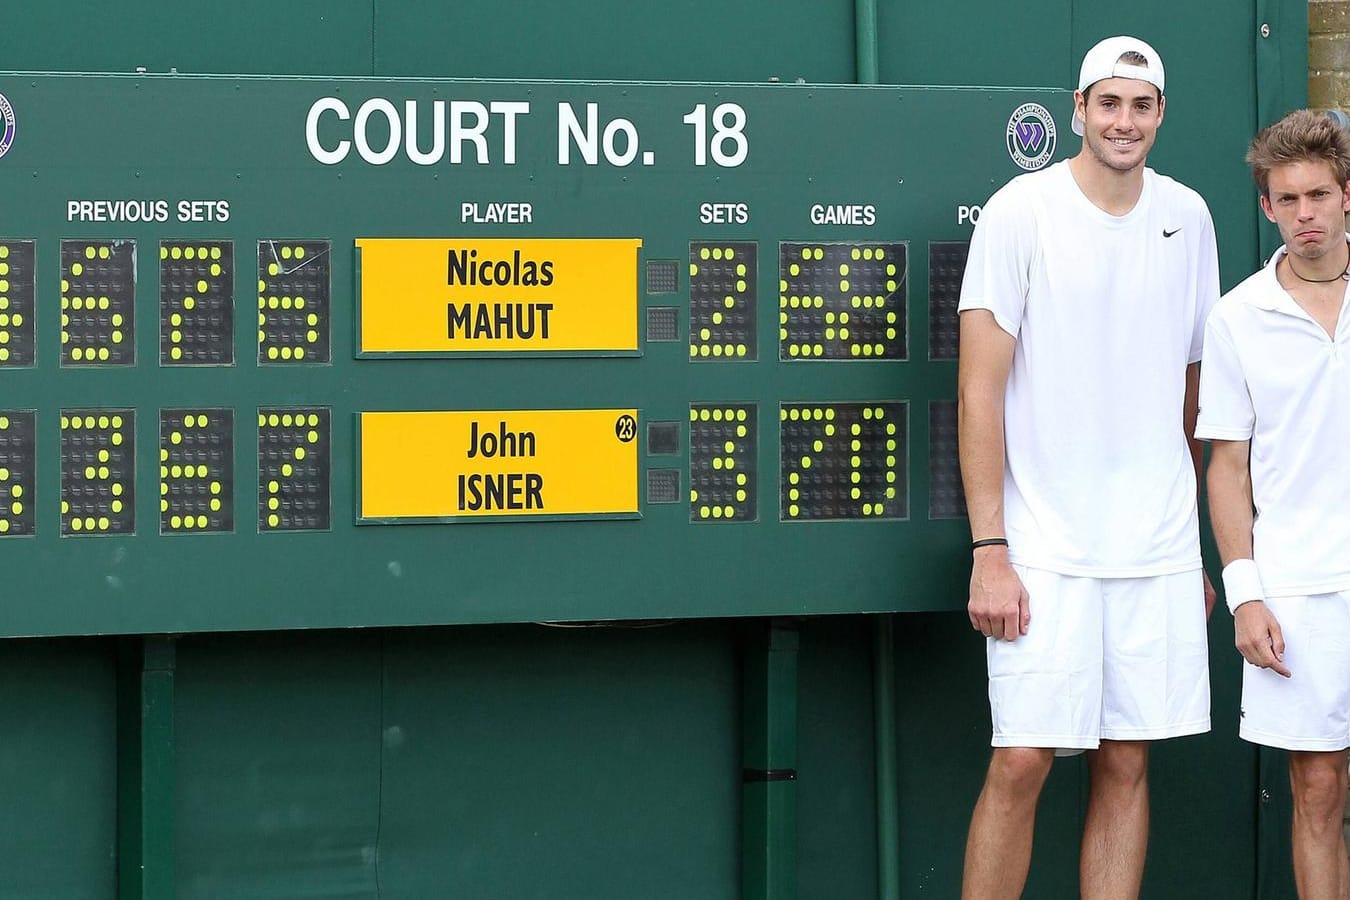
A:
(989, 542)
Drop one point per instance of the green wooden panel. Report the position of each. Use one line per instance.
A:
(58, 765)
(299, 37)
(277, 790)
(609, 39)
(943, 715)
(931, 42)
(560, 764)
(1205, 795)
(1280, 35)
(469, 763)
(836, 794)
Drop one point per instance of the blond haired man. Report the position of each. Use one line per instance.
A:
(1275, 405)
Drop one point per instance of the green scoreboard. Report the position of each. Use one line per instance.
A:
(283, 353)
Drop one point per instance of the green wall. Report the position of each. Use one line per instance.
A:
(58, 769)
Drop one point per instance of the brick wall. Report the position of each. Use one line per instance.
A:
(1329, 54)
(1329, 86)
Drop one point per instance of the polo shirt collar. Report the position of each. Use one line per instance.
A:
(1276, 298)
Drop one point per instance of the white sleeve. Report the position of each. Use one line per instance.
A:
(998, 268)
(1206, 284)
(1226, 412)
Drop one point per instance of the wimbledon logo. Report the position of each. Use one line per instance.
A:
(1031, 136)
(7, 121)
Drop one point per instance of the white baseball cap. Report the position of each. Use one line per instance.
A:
(1103, 61)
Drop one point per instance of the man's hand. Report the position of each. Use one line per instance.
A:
(1258, 637)
(1211, 595)
(999, 606)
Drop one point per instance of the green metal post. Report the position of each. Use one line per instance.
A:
(883, 635)
(865, 29)
(888, 798)
(769, 753)
(145, 769)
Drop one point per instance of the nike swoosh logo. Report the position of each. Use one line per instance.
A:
(1167, 233)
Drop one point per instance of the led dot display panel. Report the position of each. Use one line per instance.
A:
(98, 471)
(293, 302)
(723, 454)
(294, 469)
(196, 470)
(843, 461)
(663, 276)
(98, 303)
(662, 324)
(663, 438)
(18, 448)
(946, 497)
(18, 344)
(946, 268)
(722, 288)
(196, 303)
(663, 485)
(841, 301)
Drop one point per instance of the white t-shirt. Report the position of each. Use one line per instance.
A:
(1273, 376)
(1107, 312)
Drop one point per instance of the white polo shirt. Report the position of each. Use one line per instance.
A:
(1273, 376)
(1107, 312)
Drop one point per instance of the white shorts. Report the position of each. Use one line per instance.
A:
(1122, 659)
(1310, 710)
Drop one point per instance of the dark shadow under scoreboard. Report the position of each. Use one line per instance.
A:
(440, 352)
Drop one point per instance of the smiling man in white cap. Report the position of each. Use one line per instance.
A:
(1082, 321)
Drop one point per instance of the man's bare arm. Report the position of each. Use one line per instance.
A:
(1189, 412)
(998, 602)
(1230, 499)
(1257, 634)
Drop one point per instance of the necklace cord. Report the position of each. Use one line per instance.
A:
(1344, 276)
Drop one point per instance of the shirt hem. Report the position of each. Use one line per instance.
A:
(999, 319)
(1213, 433)
(1047, 741)
(1285, 742)
(1337, 586)
(1158, 732)
(1150, 571)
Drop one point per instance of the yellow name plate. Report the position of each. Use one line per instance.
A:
(441, 296)
(444, 465)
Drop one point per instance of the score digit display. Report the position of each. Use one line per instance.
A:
(723, 281)
(723, 451)
(946, 267)
(17, 473)
(98, 303)
(98, 471)
(293, 301)
(841, 301)
(946, 498)
(17, 291)
(196, 303)
(196, 470)
(843, 461)
(294, 469)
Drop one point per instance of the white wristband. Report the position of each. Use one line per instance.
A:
(1242, 583)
